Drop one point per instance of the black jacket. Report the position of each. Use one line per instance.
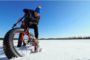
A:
(30, 17)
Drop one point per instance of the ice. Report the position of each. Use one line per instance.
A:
(57, 50)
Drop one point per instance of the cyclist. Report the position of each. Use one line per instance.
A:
(29, 20)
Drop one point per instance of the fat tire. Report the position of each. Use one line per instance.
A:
(8, 45)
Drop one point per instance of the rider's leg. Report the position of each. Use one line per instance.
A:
(29, 37)
(20, 40)
(28, 34)
(36, 37)
(22, 35)
(36, 31)
(35, 27)
(36, 44)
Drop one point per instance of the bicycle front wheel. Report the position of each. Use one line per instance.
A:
(10, 44)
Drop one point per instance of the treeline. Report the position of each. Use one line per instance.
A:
(68, 38)
(14, 38)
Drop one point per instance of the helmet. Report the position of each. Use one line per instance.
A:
(38, 9)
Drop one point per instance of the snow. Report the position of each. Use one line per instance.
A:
(2, 55)
(57, 50)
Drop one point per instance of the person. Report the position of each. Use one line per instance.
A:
(29, 20)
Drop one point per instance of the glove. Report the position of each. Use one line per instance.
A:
(14, 25)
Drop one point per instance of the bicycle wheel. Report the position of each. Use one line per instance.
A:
(10, 44)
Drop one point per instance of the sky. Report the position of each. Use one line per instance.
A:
(58, 18)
